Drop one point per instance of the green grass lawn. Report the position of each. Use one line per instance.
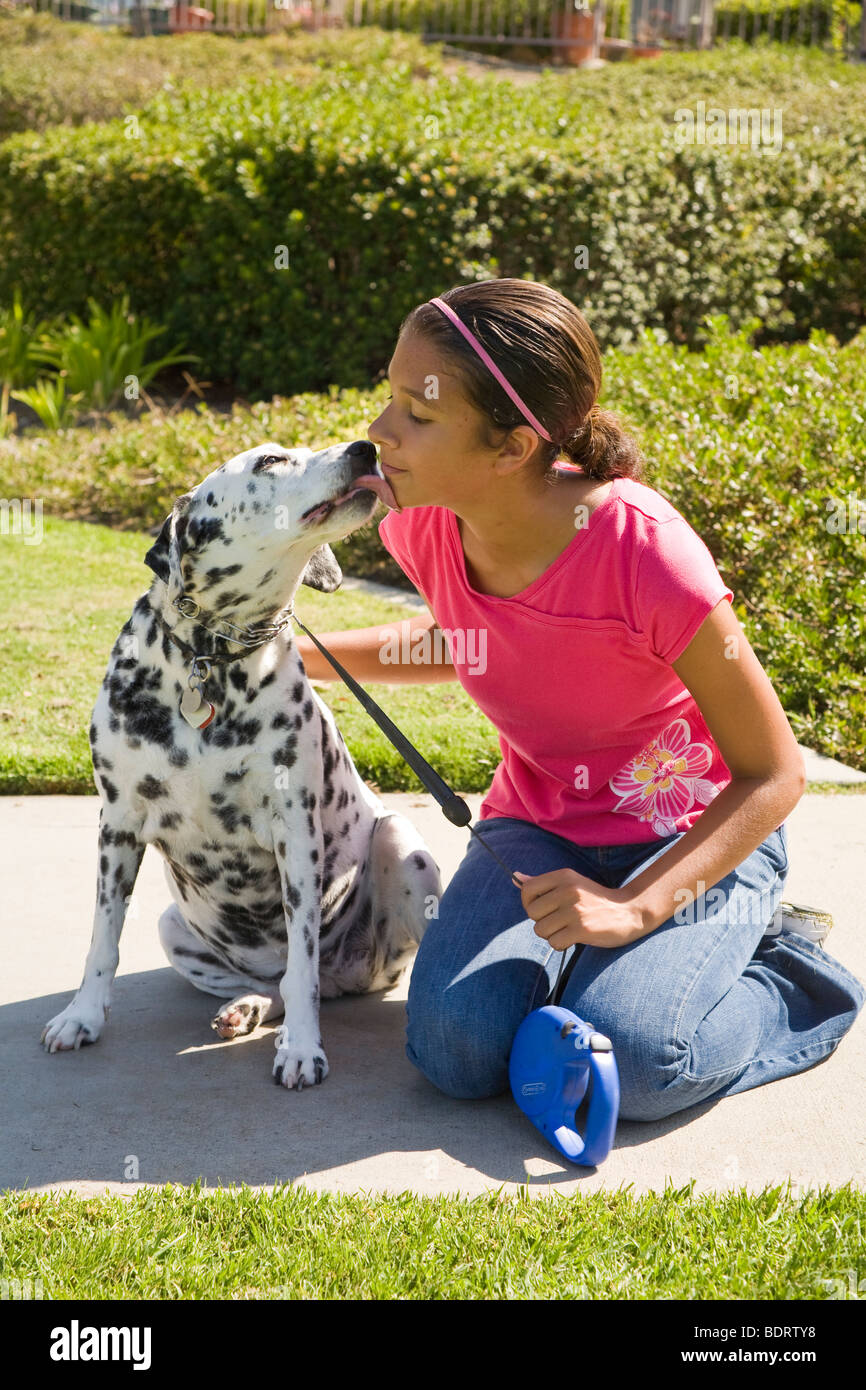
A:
(182, 1243)
(65, 601)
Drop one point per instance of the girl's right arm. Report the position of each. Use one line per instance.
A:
(377, 653)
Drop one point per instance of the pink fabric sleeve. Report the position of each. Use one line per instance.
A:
(678, 585)
(389, 533)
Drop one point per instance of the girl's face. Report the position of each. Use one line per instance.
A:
(428, 431)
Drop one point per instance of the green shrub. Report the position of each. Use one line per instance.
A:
(51, 399)
(283, 233)
(105, 358)
(53, 72)
(19, 336)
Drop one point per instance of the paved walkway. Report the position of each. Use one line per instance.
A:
(161, 1099)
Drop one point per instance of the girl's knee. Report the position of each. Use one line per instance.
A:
(459, 1073)
(453, 1049)
(649, 1059)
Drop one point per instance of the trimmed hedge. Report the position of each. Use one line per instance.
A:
(383, 194)
(57, 73)
(753, 447)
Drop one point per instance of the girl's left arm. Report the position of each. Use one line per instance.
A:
(751, 730)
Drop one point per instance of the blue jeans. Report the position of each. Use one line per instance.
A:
(703, 1007)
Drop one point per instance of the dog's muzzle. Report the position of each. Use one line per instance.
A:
(368, 482)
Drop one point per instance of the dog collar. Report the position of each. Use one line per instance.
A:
(196, 710)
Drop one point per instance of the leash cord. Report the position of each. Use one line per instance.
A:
(454, 808)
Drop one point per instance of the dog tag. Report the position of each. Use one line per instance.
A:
(197, 712)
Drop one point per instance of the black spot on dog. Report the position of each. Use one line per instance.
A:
(201, 531)
(151, 788)
(109, 788)
(220, 572)
(285, 755)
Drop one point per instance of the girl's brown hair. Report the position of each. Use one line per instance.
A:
(548, 352)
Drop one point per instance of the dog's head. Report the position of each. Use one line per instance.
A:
(242, 541)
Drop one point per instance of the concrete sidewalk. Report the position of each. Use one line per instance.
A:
(161, 1099)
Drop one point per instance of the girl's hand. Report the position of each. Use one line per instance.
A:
(568, 909)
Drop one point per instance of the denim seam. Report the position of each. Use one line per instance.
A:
(676, 1028)
(765, 1061)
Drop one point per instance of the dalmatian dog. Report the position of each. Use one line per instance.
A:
(290, 879)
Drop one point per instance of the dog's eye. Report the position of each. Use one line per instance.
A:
(261, 464)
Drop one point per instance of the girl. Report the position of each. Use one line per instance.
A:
(647, 764)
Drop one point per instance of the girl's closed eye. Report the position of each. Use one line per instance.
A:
(417, 418)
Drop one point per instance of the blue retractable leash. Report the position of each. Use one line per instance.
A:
(558, 1063)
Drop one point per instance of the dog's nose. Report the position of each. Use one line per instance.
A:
(364, 458)
(365, 449)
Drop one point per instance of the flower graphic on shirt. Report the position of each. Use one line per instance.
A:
(665, 779)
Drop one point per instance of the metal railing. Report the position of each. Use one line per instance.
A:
(573, 31)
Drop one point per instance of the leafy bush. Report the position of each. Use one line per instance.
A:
(757, 449)
(283, 233)
(53, 72)
(49, 399)
(19, 335)
(104, 357)
(95, 362)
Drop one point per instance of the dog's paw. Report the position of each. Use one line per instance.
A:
(298, 1062)
(78, 1023)
(239, 1017)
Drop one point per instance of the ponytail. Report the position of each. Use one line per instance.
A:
(603, 449)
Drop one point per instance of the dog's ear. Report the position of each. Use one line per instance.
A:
(158, 555)
(166, 555)
(322, 571)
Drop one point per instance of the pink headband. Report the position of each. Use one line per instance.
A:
(488, 362)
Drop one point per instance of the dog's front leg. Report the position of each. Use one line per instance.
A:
(299, 851)
(120, 856)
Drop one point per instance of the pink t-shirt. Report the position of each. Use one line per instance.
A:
(601, 742)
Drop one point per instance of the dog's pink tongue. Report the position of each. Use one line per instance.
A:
(382, 489)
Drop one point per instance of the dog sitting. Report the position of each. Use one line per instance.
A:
(291, 880)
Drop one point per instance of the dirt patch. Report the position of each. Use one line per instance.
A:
(482, 65)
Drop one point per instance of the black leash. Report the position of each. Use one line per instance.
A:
(454, 808)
